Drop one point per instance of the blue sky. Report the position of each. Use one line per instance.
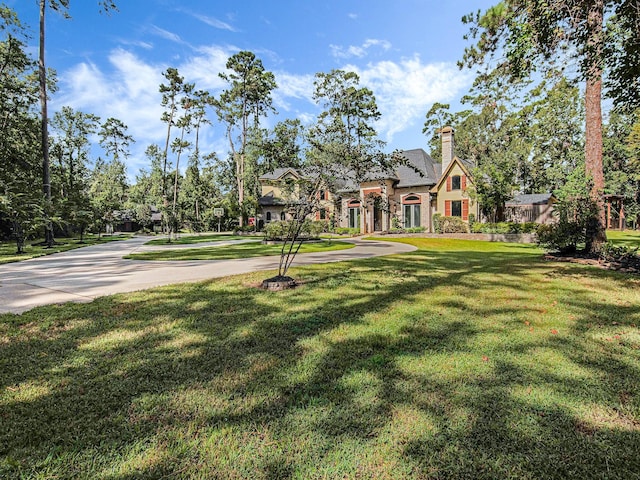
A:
(111, 65)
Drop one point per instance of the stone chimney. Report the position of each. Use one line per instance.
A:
(446, 135)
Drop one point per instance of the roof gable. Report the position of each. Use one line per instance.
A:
(281, 174)
(465, 166)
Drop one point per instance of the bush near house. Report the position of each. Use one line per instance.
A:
(407, 230)
(346, 231)
(449, 224)
(280, 230)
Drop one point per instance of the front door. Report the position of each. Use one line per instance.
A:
(377, 218)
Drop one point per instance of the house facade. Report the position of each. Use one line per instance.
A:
(412, 194)
(279, 191)
(407, 197)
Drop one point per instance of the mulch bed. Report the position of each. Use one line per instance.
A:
(630, 265)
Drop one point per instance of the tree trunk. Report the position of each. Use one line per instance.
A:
(44, 129)
(596, 234)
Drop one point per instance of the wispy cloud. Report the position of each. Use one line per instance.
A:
(358, 51)
(167, 35)
(136, 43)
(213, 22)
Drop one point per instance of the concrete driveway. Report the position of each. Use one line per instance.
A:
(86, 273)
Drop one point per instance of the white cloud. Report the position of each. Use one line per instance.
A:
(358, 51)
(405, 90)
(127, 89)
(204, 67)
(292, 87)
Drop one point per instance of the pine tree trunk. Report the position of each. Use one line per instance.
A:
(44, 130)
(596, 234)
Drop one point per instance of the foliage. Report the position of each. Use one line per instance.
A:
(240, 107)
(521, 35)
(576, 213)
(437, 222)
(453, 225)
(621, 254)
(280, 229)
(346, 231)
(407, 230)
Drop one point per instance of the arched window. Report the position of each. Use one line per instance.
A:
(268, 216)
(282, 215)
(411, 210)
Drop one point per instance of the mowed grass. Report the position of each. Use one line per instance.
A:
(200, 238)
(460, 360)
(243, 250)
(31, 249)
(630, 238)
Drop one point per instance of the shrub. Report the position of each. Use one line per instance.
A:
(471, 221)
(575, 214)
(453, 225)
(415, 230)
(275, 230)
(280, 230)
(619, 253)
(315, 228)
(562, 236)
(437, 223)
(347, 231)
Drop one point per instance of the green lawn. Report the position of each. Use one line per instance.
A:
(460, 360)
(31, 250)
(205, 237)
(630, 238)
(229, 252)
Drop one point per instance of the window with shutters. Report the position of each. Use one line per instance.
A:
(456, 208)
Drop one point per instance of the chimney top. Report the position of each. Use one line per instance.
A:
(446, 136)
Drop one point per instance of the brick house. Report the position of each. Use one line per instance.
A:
(406, 197)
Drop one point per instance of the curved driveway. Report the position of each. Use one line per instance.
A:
(86, 273)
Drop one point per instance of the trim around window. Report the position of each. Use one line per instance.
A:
(411, 199)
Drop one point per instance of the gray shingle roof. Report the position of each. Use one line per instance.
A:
(529, 199)
(420, 169)
(277, 173)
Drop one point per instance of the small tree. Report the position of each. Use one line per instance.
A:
(341, 148)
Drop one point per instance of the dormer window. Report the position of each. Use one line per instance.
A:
(455, 182)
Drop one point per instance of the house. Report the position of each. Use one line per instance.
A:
(536, 208)
(279, 190)
(409, 196)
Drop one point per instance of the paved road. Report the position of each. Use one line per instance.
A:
(86, 273)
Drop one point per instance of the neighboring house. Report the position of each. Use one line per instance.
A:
(279, 191)
(537, 207)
